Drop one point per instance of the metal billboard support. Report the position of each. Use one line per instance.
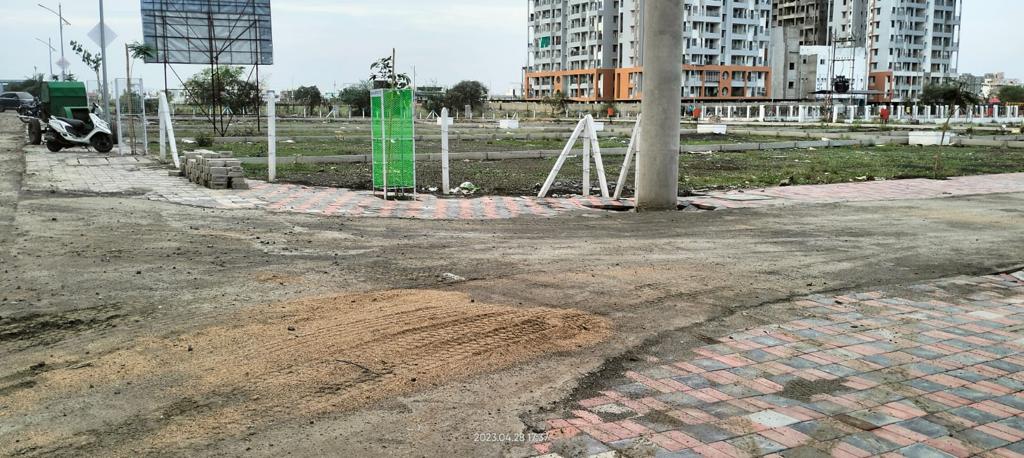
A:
(213, 33)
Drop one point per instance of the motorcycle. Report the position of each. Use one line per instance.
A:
(68, 133)
(31, 114)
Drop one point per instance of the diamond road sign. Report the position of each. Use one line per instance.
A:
(94, 34)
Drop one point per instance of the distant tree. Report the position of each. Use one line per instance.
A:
(309, 96)
(32, 84)
(93, 61)
(357, 96)
(957, 97)
(225, 87)
(472, 93)
(435, 103)
(1011, 94)
(558, 102)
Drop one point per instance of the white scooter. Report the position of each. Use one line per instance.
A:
(68, 133)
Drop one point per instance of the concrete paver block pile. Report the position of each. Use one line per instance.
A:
(214, 170)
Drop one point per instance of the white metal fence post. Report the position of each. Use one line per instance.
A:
(445, 185)
(271, 137)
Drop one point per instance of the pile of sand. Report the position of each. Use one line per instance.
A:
(315, 356)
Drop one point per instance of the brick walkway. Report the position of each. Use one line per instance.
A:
(934, 370)
(132, 175)
(344, 202)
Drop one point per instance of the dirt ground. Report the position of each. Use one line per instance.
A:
(130, 327)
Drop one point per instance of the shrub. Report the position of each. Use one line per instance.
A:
(204, 140)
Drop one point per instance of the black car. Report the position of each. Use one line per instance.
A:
(14, 100)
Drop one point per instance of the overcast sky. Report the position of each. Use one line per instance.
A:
(332, 42)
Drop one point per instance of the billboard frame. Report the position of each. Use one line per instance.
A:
(200, 26)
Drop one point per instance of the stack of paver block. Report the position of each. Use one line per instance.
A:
(214, 170)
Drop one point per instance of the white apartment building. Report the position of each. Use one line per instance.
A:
(910, 44)
(591, 50)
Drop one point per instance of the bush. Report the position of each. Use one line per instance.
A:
(204, 140)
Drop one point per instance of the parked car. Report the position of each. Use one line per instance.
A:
(14, 100)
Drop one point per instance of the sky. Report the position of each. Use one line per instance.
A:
(331, 43)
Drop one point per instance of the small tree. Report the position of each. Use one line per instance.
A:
(1011, 94)
(309, 96)
(558, 102)
(93, 61)
(357, 96)
(225, 88)
(472, 93)
(434, 103)
(383, 75)
(953, 95)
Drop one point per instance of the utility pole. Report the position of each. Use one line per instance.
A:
(61, 22)
(657, 184)
(49, 44)
(103, 62)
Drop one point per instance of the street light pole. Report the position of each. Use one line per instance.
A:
(49, 44)
(103, 62)
(60, 21)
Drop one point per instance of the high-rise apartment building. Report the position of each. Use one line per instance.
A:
(808, 18)
(910, 44)
(591, 50)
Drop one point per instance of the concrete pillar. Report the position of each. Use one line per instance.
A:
(916, 110)
(801, 114)
(657, 186)
(867, 112)
(760, 113)
(835, 114)
(748, 111)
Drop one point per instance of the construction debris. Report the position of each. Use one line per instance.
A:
(213, 170)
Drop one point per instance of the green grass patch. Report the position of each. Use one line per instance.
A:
(747, 169)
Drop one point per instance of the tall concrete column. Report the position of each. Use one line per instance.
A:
(657, 186)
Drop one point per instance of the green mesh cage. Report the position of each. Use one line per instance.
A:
(394, 146)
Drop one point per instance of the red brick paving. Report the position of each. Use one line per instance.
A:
(343, 202)
(948, 380)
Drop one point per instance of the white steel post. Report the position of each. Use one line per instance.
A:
(271, 137)
(444, 151)
(586, 161)
(163, 133)
(602, 179)
(630, 152)
(106, 94)
(166, 126)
